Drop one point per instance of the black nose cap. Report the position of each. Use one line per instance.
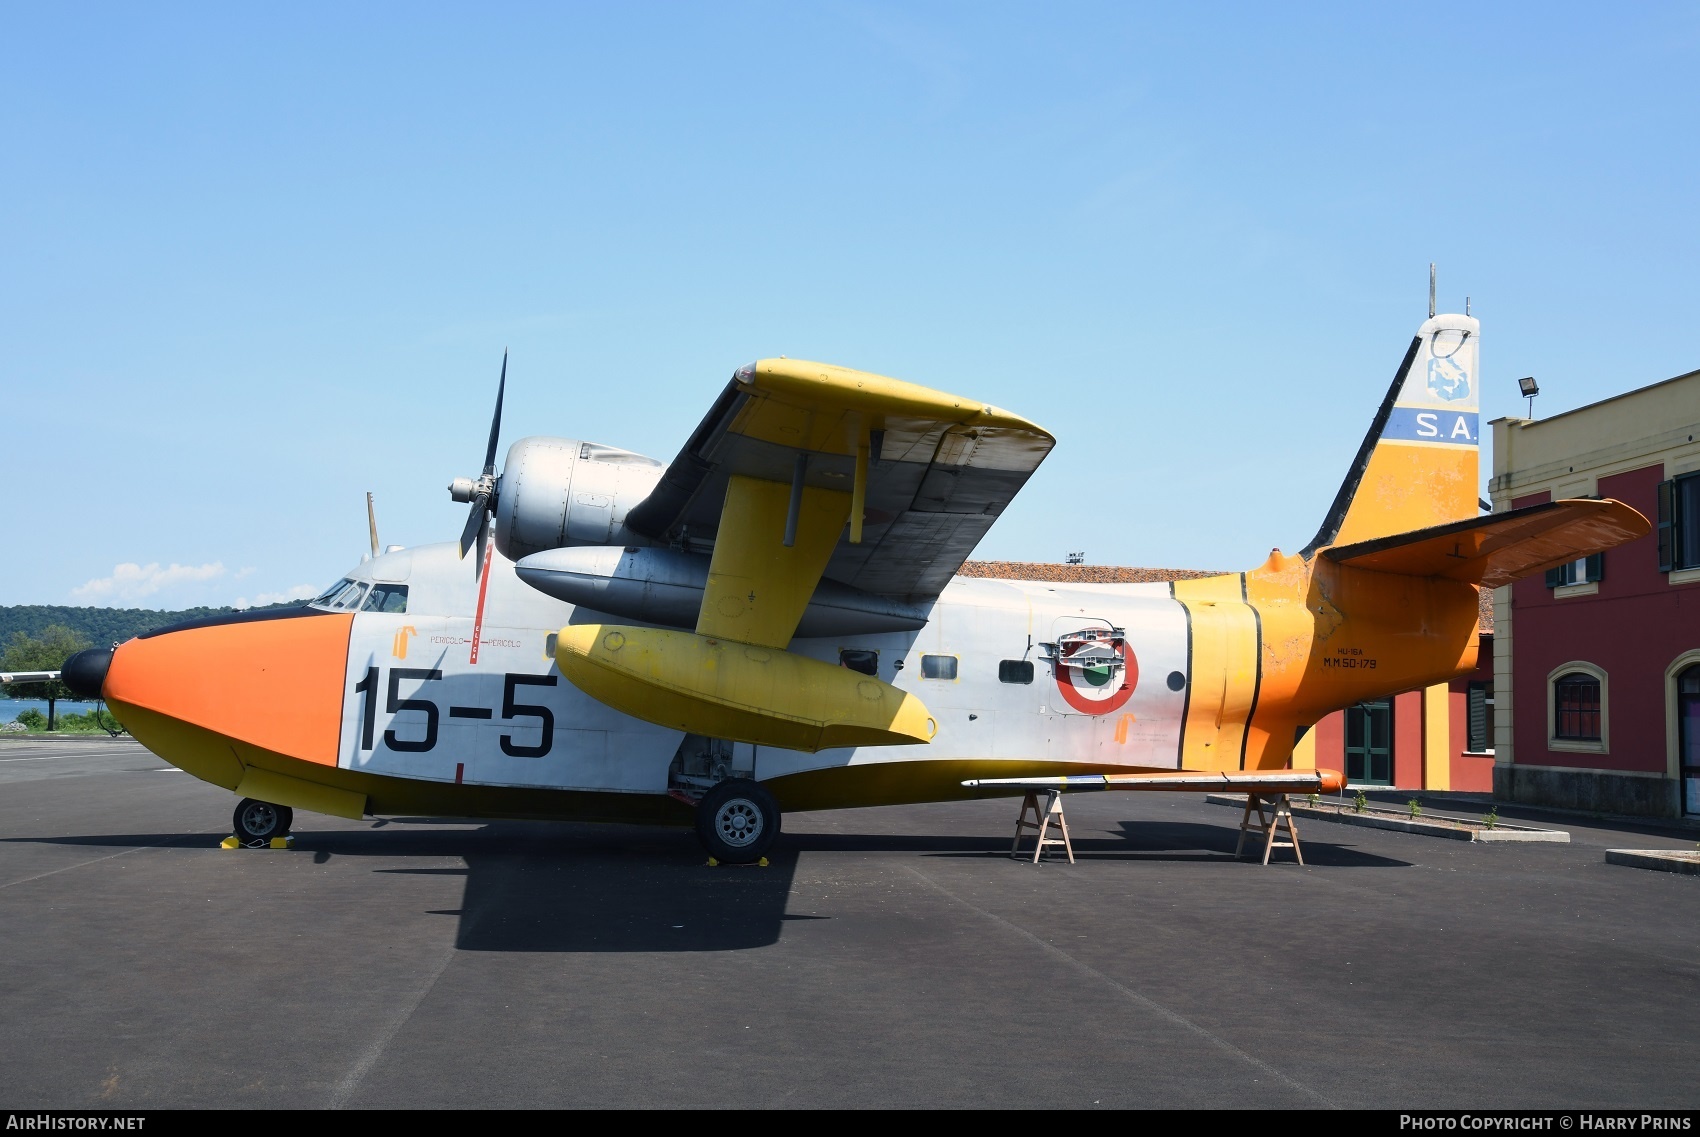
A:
(85, 672)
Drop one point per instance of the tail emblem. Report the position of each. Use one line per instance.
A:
(1447, 378)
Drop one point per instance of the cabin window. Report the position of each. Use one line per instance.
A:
(386, 598)
(1015, 671)
(859, 659)
(1584, 570)
(1479, 698)
(938, 667)
(1679, 523)
(1576, 707)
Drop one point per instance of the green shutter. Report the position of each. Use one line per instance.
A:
(1667, 526)
(1595, 569)
(1479, 740)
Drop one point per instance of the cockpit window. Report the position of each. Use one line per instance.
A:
(345, 597)
(386, 598)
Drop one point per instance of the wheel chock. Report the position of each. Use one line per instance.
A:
(761, 864)
(234, 842)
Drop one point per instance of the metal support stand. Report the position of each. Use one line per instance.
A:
(1043, 819)
(1268, 826)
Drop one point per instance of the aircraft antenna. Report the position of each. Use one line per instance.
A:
(1431, 290)
(372, 523)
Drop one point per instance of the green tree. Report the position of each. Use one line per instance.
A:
(45, 652)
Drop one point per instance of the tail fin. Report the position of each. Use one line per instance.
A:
(1419, 464)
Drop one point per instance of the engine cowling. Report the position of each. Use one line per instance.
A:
(558, 492)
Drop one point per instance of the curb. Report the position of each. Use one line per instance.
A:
(1659, 860)
(1501, 833)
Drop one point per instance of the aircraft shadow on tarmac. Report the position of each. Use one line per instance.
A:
(544, 887)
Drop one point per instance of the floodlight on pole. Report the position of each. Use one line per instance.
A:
(1530, 389)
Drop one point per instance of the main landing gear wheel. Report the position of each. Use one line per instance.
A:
(256, 823)
(737, 821)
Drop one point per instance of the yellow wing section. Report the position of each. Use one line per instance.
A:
(1498, 548)
(803, 470)
(926, 472)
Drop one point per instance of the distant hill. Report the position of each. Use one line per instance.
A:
(102, 626)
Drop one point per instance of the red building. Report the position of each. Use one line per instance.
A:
(1598, 665)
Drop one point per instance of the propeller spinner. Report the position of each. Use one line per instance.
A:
(482, 493)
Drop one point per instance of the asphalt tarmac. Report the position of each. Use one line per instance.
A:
(888, 957)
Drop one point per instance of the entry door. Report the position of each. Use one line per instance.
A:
(1688, 730)
(1369, 743)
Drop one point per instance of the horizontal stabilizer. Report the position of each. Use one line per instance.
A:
(1499, 548)
(1272, 782)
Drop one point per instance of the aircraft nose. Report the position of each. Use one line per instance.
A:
(85, 672)
(272, 680)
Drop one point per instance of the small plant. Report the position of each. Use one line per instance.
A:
(33, 719)
(1491, 817)
(1359, 802)
(1315, 799)
(1415, 805)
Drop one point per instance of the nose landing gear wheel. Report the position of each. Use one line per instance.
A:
(257, 822)
(737, 821)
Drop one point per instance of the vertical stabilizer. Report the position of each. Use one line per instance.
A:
(1419, 463)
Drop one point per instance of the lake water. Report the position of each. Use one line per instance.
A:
(10, 709)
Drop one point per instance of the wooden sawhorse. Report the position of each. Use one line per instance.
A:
(1043, 819)
(1268, 826)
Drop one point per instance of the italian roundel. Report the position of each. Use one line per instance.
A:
(1096, 673)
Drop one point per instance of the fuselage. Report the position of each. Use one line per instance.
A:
(403, 685)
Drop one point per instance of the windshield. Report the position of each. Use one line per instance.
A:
(344, 596)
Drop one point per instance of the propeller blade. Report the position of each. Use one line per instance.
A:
(475, 522)
(496, 422)
(483, 544)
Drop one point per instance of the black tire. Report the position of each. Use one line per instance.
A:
(258, 822)
(737, 821)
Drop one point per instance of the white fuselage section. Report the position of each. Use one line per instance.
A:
(418, 705)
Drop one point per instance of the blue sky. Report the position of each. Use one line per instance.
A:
(257, 260)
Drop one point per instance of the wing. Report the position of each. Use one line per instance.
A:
(799, 470)
(1501, 547)
(1264, 782)
(932, 470)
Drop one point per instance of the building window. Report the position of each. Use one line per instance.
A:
(1015, 671)
(1679, 523)
(1688, 736)
(938, 667)
(1586, 570)
(1480, 725)
(1576, 707)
